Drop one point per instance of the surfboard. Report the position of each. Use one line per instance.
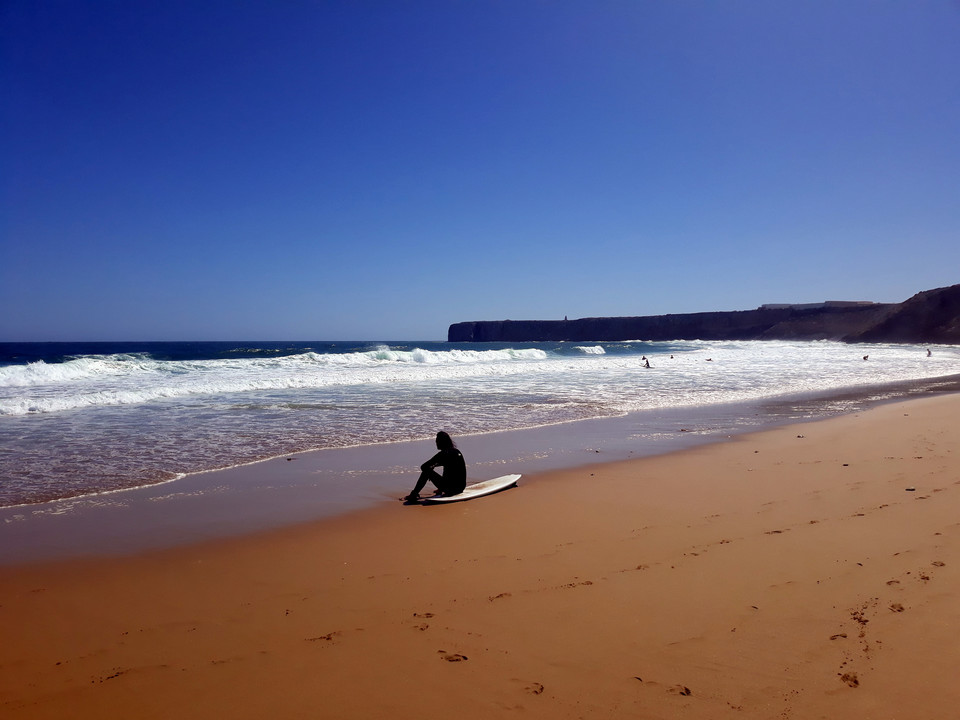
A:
(487, 487)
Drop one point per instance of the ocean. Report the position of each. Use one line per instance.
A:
(78, 420)
(81, 418)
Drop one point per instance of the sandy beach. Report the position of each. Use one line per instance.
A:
(809, 571)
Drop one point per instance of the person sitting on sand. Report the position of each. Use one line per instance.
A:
(454, 478)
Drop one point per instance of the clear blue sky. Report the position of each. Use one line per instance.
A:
(208, 169)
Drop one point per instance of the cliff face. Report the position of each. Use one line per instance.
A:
(932, 316)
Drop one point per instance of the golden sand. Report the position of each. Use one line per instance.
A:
(786, 574)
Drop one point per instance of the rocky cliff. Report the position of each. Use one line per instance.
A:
(932, 316)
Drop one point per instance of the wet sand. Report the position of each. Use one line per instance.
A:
(806, 571)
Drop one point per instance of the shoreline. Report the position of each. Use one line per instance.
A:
(320, 485)
(790, 572)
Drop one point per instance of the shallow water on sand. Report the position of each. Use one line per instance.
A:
(309, 486)
(80, 419)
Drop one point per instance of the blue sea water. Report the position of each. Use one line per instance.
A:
(85, 418)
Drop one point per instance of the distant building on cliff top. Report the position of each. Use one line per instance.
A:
(816, 306)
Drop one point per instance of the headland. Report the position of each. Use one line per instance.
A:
(932, 316)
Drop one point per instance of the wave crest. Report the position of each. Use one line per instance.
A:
(130, 379)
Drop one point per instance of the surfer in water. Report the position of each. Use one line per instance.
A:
(454, 478)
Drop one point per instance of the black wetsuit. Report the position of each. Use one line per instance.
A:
(454, 478)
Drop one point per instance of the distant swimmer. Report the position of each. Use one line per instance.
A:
(454, 478)
(929, 353)
(646, 363)
(865, 357)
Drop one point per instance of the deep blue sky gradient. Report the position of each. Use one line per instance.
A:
(212, 170)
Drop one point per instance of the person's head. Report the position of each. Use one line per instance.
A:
(444, 441)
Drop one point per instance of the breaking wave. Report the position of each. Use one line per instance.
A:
(41, 387)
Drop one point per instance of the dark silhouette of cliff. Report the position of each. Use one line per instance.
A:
(932, 316)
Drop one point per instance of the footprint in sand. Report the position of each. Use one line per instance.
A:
(451, 657)
(858, 616)
(850, 679)
(533, 688)
(117, 672)
(576, 584)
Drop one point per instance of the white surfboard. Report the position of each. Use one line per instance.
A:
(487, 487)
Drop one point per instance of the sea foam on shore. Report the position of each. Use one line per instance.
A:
(77, 419)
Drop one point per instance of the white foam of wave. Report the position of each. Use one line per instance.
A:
(42, 373)
(700, 373)
(705, 373)
(243, 409)
(125, 380)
